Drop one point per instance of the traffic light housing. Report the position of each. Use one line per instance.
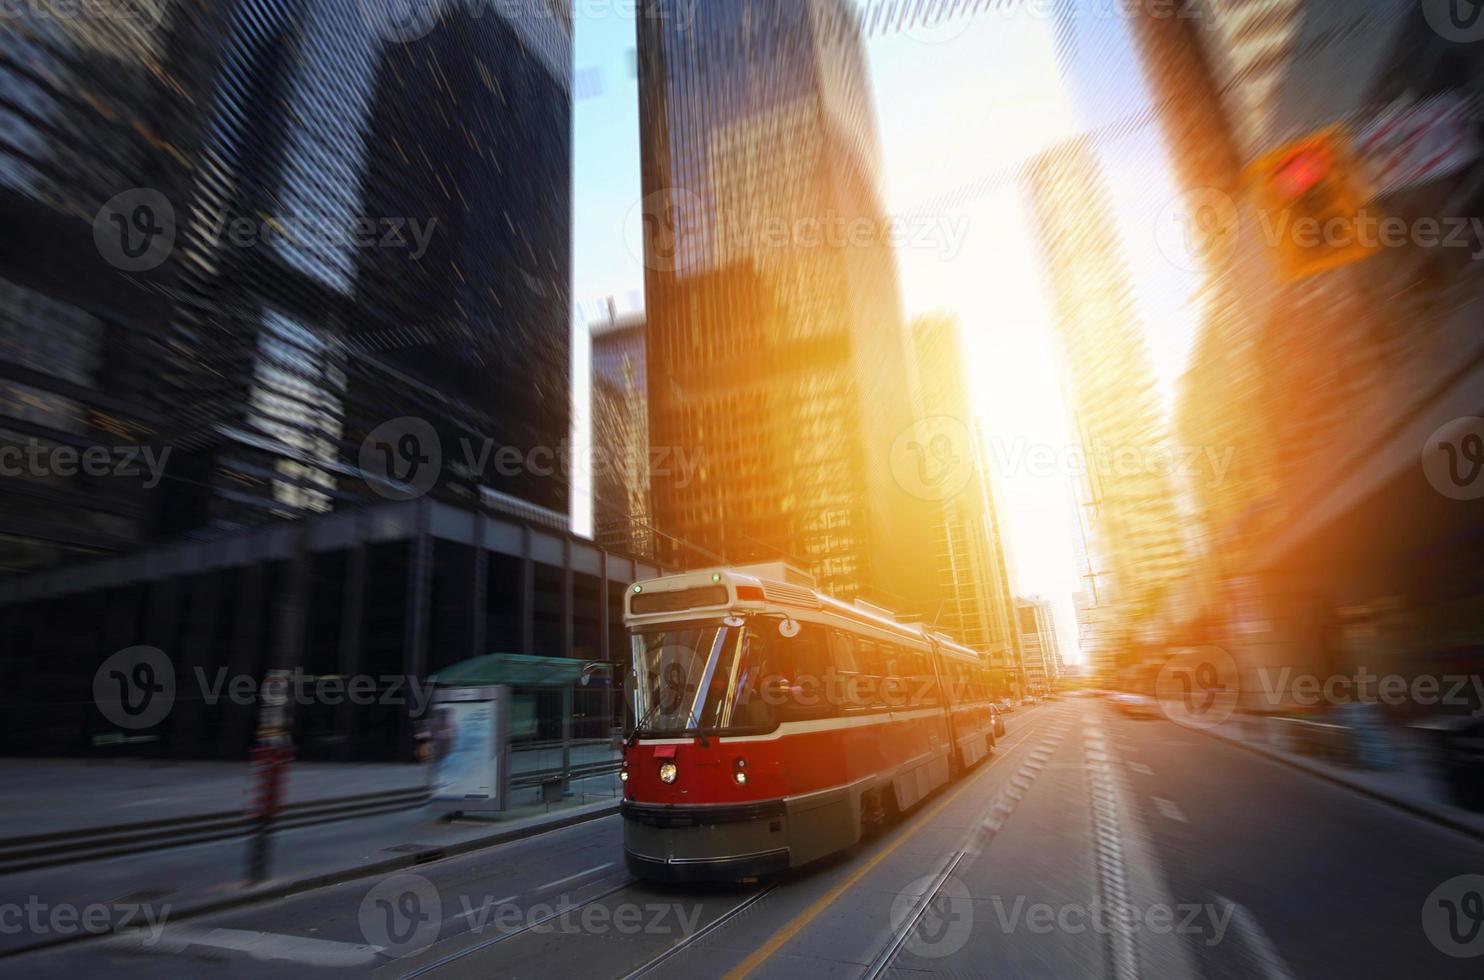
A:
(1315, 198)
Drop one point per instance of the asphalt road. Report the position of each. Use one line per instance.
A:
(1089, 845)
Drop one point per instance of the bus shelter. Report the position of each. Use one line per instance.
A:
(508, 722)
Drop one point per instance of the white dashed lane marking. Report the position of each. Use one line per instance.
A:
(1168, 809)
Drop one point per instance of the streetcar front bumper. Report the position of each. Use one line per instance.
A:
(700, 842)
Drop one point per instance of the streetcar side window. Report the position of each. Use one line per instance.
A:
(872, 663)
(848, 672)
(805, 661)
(924, 681)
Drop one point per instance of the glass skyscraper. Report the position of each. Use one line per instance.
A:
(348, 224)
(776, 347)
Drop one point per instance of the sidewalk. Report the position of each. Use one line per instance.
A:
(200, 878)
(60, 795)
(1413, 785)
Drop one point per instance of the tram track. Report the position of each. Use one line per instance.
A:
(634, 888)
(715, 925)
(636, 891)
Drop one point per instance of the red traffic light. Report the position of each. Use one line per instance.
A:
(1301, 172)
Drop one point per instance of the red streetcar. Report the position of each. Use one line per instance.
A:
(770, 725)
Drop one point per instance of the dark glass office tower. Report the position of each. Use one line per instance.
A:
(348, 224)
(775, 337)
(469, 133)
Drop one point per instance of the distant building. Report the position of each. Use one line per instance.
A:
(976, 602)
(775, 341)
(1132, 530)
(621, 450)
(1036, 621)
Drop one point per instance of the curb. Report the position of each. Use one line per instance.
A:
(1429, 814)
(276, 892)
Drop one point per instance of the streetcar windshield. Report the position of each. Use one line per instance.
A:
(697, 677)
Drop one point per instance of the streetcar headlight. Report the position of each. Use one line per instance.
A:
(623, 774)
(740, 777)
(668, 772)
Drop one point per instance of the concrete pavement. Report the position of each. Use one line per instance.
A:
(1089, 845)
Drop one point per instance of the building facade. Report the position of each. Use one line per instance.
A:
(1043, 662)
(1132, 533)
(1314, 546)
(976, 601)
(776, 346)
(622, 519)
(278, 269)
(292, 244)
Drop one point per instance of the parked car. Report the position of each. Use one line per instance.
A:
(1134, 705)
(1028, 699)
(1005, 705)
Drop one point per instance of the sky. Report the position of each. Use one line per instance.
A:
(957, 103)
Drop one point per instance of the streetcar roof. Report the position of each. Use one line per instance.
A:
(714, 592)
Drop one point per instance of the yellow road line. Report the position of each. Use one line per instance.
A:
(797, 924)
